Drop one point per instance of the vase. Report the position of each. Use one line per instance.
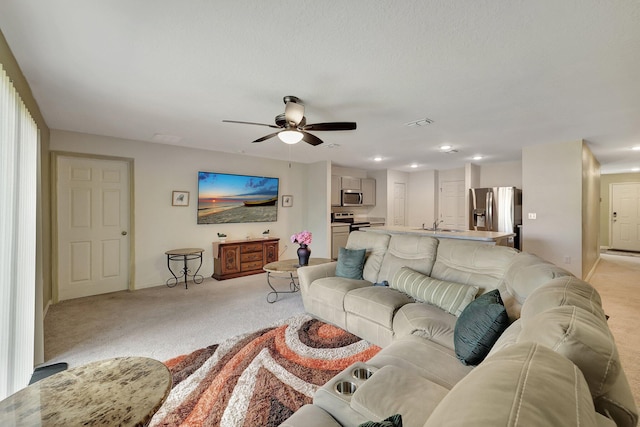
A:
(303, 254)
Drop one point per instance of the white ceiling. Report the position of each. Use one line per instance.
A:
(493, 75)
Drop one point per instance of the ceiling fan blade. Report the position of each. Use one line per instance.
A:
(294, 112)
(331, 126)
(311, 139)
(264, 138)
(251, 123)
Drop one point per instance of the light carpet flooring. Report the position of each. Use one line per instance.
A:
(163, 322)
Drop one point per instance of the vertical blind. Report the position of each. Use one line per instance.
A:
(18, 197)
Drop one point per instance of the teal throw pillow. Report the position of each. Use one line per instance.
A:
(478, 327)
(350, 263)
(392, 421)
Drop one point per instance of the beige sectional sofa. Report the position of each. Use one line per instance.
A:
(556, 364)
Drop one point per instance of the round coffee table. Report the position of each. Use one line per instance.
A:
(124, 391)
(287, 268)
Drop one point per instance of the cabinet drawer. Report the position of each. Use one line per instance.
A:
(251, 247)
(251, 256)
(253, 265)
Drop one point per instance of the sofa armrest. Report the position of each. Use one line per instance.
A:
(307, 275)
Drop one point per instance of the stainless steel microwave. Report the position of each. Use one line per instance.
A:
(351, 198)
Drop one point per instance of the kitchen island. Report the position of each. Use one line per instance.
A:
(488, 237)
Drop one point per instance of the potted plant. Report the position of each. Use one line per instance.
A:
(265, 234)
(222, 237)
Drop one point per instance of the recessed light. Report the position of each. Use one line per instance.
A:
(635, 169)
(477, 157)
(446, 147)
(414, 165)
(636, 148)
(377, 159)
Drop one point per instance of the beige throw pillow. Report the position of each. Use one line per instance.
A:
(449, 296)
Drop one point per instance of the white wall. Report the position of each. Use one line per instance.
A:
(552, 189)
(160, 169)
(423, 196)
(590, 211)
(318, 208)
(504, 174)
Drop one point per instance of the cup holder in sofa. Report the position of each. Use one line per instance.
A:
(346, 388)
(361, 373)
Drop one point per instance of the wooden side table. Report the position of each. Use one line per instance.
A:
(287, 268)
(184, 255)
(125, 391)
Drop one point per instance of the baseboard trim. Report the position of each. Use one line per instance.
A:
(46, 309)
(593, 270)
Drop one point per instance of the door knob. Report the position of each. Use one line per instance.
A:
(124, 233)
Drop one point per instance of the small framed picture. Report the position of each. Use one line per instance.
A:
(180, 198)
(287, 201)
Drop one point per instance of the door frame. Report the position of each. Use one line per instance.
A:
(609, 213)
(54, 215)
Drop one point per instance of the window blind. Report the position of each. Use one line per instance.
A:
(18, 197)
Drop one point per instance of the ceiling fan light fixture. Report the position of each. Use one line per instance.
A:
(290, 136)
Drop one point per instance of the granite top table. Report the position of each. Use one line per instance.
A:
(124, 391)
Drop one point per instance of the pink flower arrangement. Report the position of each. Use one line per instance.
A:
(303, 238)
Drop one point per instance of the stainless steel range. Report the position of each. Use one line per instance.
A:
(349, 217)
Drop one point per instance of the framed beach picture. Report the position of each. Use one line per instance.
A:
(287, 201)
(180, 198)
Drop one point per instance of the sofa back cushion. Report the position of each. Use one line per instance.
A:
(523, 385)
(449, 296)
(580, 336)
(376, 245)
(526, 272)
(567, 290)
(472, 263)
(406, 250)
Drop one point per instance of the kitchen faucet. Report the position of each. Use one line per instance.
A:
(436, 224)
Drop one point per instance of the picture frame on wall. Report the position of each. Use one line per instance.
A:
(180, 198)
(287, 201)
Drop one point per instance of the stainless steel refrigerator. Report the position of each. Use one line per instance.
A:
(496, 209)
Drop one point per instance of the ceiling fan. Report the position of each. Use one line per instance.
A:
(293, 127)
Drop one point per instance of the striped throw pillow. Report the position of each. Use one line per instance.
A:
(449, 296)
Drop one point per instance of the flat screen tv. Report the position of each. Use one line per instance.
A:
(226, 198)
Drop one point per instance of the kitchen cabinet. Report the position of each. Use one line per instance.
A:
(238, 258)
(336, 186)
(349, 183)
(368, 187)
(339, 237)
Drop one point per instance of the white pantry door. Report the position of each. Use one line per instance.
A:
(399, 202)
(452, 208)
(93, 226)
(625, 216)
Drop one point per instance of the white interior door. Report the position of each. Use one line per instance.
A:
(625, 216)
(399, 196)
(92, 226)
(452, 205)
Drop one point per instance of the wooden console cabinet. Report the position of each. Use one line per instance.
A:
(236, 258)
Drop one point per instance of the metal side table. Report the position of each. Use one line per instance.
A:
(185, 255)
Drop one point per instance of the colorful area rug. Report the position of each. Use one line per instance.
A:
(258, 379)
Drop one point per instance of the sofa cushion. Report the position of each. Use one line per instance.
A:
(350, 263)
(332, 290)
(416, 252)
(524, 385)
(472, 263)
(376, 303)
(426, 321)
(581, 337)
(478, 327)
(566, 290)
(376, 245)
(526, 272)
(310, 416)
(414, 397)
(449, 296)
(422, 358)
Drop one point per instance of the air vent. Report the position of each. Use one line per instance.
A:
(421, 122)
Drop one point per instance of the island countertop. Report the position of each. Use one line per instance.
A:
(494, 237)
